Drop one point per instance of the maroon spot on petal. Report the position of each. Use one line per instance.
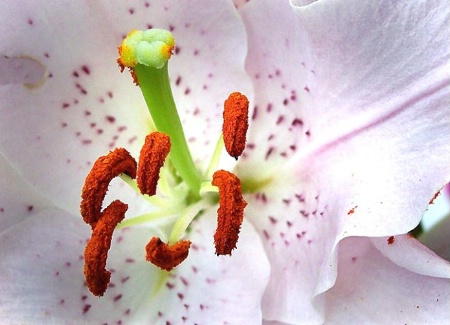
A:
(92, 124)
(308, 133)
(125, 279)
(255, 113)
(75, 74)
(391, 240)
(99, 131)
(86, 141)
(289, 223)
(61, 301)
(196, 52)
(293, 147)
(121, 128)
(86, 69)
(184, 281)
(266, 234)
(86, 308)
(46, 55)
(268, 153)
(129, 260)
(127, 312)
(2, 209)
(180, 295)
(171, 28)
(273, 220)
(63, 124)
(306, 88)
(187, 91)
(149, 26)
(286, 201)
(177, 50)
(101, 100)
(170, 285)
(297, 122)
(304, 213)
(65, 105)
(194, 269)
(285, 102)
(110, 94)
(269, 108)
(147, 4)
(131, 11)
(280, 119)
(186, 306)
(132, 139)
(178, 81)
(30, 208)
(117, 298)
(30, 21)
(354, 258)
(110, 119)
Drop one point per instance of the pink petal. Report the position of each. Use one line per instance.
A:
(86, 106)
(41, 277)
(371, 289)
(353, 143)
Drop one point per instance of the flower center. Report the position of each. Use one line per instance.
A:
(164, 162)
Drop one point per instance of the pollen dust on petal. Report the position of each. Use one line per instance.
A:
(235, 124)
(167, 256)
(152, 157)
(230, 212)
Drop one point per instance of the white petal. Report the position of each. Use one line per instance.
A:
(42, 276)
(18, 199)
(85, 105)
(370, 289)
(340, 161)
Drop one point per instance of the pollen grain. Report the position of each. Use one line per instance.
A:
(230, 212)
(235, 124)
(152, 157)
(167, 256)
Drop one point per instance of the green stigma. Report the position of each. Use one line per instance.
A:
(146, 54)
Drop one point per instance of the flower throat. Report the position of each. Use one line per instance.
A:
(146, 55)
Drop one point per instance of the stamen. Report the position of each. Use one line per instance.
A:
(230, 212)
(164, 256)
(96, 252)
(97, 181)
(152, 157)
(235, 124)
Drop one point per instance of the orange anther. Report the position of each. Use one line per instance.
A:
(153, 154)
(235, 123)
(96, 252)
(230, 212)
(97, 182)
(164, 256)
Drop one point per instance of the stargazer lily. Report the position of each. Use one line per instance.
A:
(347, 144)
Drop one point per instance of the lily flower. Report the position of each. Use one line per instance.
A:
(347, 144)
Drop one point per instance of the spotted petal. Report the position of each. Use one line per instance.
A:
(46, 284)
(349, 129)
(83, 104)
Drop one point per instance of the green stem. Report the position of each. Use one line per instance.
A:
(155, 87)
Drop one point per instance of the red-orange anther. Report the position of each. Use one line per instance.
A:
(235, 124)
(165, 256)
(97, 182)
(153, 154)
(96, 252)
(230, 212)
